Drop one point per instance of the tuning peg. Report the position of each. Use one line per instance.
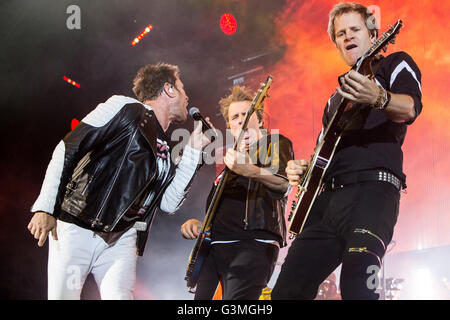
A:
(385, 48)
(392, 41)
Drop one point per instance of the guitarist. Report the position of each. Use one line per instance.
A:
(352, 220)
(249, 225)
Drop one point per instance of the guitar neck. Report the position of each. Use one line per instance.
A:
(256, 103)
(207, 223)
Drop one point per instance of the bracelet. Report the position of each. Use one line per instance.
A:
(388, 99)
(383, 99)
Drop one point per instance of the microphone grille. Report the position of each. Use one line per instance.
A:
(193, 111)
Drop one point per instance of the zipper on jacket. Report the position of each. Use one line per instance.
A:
(91, 178)
(157, 195)
(132, 202)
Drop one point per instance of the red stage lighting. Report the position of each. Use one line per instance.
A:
(141, 35)
(71, 82)
(228, 24)
(74, 123)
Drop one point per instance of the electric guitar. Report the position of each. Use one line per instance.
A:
(311, 180)
(203, 243)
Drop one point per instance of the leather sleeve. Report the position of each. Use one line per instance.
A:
(96, 128)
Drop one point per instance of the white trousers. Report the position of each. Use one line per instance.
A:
(78, 252)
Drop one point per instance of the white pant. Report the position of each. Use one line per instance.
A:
(78, 252)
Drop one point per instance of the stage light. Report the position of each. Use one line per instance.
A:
(423, 284)
(71, 82)
(228, 24)
(141, 35)
(74, 123)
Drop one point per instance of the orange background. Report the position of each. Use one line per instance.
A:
(307, 76)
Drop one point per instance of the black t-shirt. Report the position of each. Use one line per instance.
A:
(376, 142)
(230, 214)
(229, 220)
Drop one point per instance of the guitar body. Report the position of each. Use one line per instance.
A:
(310, 187)
(311, 181)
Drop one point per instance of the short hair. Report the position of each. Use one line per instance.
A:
(345, 7)
(239, 93)
(150, 79)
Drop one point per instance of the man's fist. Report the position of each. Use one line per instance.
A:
(294, 170)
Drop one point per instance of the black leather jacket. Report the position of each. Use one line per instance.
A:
(115, 173)
(265, 208)
(107, 167)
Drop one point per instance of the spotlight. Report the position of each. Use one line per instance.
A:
(71, 82)
(423, 283)
(74, 123)
(141, 35)
(228, 24)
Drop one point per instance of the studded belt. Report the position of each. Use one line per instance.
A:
(355, 177)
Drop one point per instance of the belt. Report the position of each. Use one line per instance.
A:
(362, 176)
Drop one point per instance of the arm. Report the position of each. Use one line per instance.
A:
(271, 176)
(239, 163)
(177, 190)
(361, 89)
(91, 131)
(402, 80)
(400, 108)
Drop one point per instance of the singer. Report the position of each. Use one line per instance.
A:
(98, 201)
(249, 225)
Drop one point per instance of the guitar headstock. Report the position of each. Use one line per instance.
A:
(383, 42)
(261, 94)
(256, 104)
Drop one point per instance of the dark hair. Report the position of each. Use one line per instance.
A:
(239, 93)
(150, 79)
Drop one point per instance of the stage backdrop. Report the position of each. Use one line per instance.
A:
(307, 75)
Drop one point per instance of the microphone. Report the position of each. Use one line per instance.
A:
(195, 114)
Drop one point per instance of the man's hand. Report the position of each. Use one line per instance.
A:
(198, 139)
(358, 88)
(294, 170)
(191, 229)
(240, 163)
(40, 225)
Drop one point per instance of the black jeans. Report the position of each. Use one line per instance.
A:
(244, 267)
(352, 225)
